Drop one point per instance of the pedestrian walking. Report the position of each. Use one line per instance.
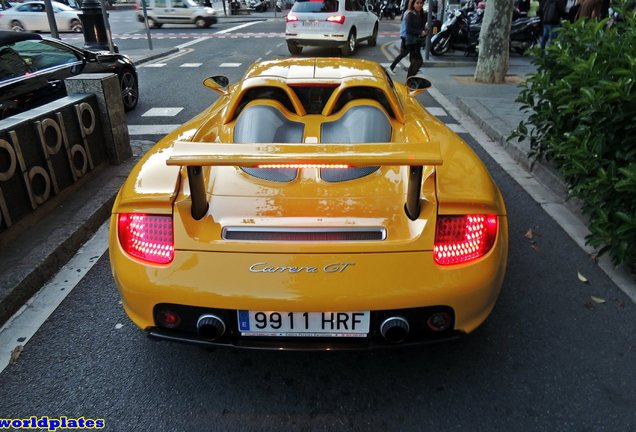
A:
(403, 50)
(414, 32)
(551, 12)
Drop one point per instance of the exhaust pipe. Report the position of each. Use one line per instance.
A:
(210, 327)
(394, 329)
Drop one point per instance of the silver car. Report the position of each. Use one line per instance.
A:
(31, 16)
(330, 23)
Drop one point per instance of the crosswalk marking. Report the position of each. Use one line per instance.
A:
(436, 111)
(162, 112)
(161, 129)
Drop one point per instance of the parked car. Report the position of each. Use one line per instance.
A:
(162, 12)
(330, 23)
(31, 16)
(315, 205)
(33, 69)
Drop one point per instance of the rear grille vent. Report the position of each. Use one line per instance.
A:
(303, 234)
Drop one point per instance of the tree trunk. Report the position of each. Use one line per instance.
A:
(494, 41)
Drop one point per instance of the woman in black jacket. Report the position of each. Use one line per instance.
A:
(414, 31)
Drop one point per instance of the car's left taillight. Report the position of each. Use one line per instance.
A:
(291, 18)
(149, 238)
(338, 19)
(460, 239)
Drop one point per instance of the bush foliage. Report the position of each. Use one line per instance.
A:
(582, 116)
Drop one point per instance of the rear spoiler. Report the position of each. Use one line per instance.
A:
(195, 155)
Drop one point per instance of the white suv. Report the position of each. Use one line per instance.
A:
(330, 23)
(162, 12)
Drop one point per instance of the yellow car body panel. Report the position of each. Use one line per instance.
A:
(396, 271)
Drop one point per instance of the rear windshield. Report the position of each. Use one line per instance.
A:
(315, 6)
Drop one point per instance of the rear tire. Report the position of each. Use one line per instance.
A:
(201, 22)
(351, 45)
(17, 26)
(294, 48)
(373, 41)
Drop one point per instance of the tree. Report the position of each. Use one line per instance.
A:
(494, 41)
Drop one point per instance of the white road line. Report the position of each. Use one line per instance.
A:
(268, 52)
(151, 129)
(455, 127)
(436, 111)
(162, 112)
(191, 65)
(152, 65)
(25, 322)
(237, 27)
(192, 42)
(230, 65)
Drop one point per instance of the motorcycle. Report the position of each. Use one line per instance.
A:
(461, 32)
(457, 34)
(388, 8)
(258, 5)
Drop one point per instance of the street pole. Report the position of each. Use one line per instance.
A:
(50, 15)
(429, 20)
(143, 7)
(109, 35)
(95, 34)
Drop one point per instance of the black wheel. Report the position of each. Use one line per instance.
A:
(374, 37)
(201, 22)
(350, 47)
(17, 26)
(294, 48)
(76, 26)
(440, 45)
(129, 89)
(153, 24)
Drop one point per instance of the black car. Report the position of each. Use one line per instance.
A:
(33, 69)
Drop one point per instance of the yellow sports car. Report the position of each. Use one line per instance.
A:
(315, 205)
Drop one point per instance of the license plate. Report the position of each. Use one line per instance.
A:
(311, 23)
(303, 324)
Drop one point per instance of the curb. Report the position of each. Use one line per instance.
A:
(40, 244)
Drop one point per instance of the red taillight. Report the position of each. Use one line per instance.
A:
(459, 239)
(300, 166)
(291, 18)
(147, 237)
(340, 19)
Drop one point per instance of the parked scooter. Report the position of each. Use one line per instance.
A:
(461, 32)
(257, 5)
(456, 34)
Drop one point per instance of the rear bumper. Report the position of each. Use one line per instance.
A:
(419, 333)
(329, 41)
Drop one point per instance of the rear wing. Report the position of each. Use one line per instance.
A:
(195, 155)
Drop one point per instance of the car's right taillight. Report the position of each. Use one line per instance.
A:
(459, 239)
(147, 237)
(291, 18)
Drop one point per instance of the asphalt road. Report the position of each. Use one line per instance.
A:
(548, 358)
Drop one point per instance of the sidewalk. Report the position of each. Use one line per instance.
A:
(38, 248)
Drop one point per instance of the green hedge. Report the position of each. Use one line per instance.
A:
(582, 117)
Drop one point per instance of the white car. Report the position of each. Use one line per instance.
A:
(162, 12)
(330, 23)
(31, 16)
